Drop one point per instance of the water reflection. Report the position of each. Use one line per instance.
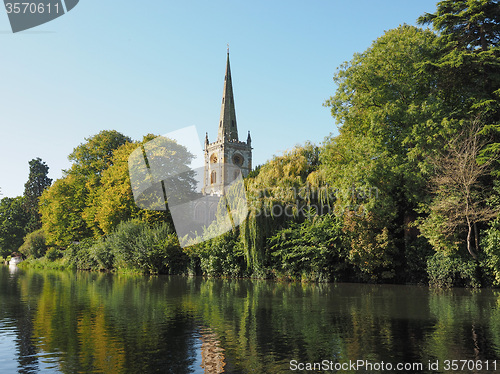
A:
(212, 354)
(69, 322)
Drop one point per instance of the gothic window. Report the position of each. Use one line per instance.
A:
(220, 124)
(213, 177)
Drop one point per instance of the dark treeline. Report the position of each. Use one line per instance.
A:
(408, 191)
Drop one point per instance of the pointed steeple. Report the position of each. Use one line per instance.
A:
(227, 124)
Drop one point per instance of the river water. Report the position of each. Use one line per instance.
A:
(79, 322)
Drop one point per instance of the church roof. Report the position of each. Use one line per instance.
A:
(227, 125)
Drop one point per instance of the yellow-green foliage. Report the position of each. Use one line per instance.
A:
(34, 244)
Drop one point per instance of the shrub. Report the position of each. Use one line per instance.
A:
(79, 254)
(122, 243)
(34, 244)
(416, 254)
(490, 258)
(102, 255)
(452, 270)
(311, 250)
(154, 249)
(53, 254)
(221, 256)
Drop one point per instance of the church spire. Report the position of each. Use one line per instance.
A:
(227, 124)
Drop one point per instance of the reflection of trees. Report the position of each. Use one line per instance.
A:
(21, 313)
(109, 324)
(114, 324)
(468, 324)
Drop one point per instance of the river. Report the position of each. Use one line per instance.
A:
(79, 322)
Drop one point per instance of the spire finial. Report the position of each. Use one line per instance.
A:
(227, 48)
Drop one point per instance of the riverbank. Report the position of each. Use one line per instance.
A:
(139, 248)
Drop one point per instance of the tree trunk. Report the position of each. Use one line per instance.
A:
(469, 248)
(476, 238)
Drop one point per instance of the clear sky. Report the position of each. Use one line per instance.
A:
(158, 66)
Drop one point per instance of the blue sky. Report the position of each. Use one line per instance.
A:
(155, 67)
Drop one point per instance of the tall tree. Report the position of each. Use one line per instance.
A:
(467, 24)
(37, 182)
(468, 77)
(62, 206)
(94, 156)
(13, 221)
(390, 114)
(469, 68)
(113, 202)
(460, 196)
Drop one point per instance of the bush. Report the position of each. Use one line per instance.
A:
(490, 257)
(102, 255)
(154, 249)
(122, 243)
(452, 270)
(79, 254)
(34, 244)
(311, 250)
(221, 256)
(416, 254)
(53, 254)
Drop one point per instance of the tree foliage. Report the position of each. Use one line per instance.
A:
(460, 194)
(38, 181)
(13, 221)
(95, 155)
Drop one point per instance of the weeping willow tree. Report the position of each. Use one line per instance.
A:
(287, 189)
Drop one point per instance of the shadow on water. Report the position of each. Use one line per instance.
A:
(78, 322)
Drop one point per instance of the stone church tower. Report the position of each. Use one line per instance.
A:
(227, 157)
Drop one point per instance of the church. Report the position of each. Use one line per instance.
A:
(226, 158)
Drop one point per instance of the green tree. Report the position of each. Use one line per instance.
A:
(460, 200)
(13, 221)
(62, 206)
(468, 77)
(37, 182)
(34, 244)
(95, 155)
(468, 69)
(113, 201)
(390, 116)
